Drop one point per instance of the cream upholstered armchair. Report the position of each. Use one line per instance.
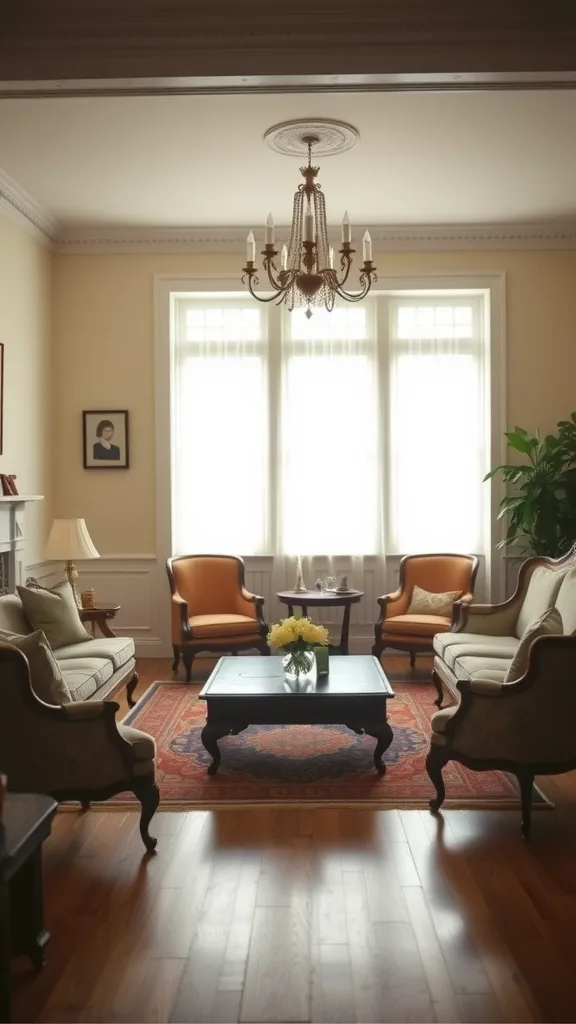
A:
(526, 727)
(404, 629)
(211, 608)
(73, 751)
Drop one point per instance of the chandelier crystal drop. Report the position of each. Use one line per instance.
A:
(306, 275)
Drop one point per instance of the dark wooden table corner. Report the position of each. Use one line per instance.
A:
(26, 823)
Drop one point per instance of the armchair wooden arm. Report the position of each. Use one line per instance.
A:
(180, 619)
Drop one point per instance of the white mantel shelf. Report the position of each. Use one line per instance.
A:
(15, 499)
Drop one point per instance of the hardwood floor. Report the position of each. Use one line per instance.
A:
(308, 915)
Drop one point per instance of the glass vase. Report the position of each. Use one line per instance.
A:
(298, 665)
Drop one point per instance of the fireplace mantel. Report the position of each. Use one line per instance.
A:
(17, 499)
(13, 539)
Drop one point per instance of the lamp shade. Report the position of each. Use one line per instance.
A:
(69, 539)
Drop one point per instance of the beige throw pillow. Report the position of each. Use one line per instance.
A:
(56, 613)
(45, 676)
(549, 624)
(425, 603)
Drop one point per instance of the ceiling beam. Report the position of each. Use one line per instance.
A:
(153, 46)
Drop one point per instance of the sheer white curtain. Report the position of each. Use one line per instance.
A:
(220, 425)
(329, 447)
(438, 439)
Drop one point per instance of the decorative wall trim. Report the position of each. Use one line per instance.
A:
(21, 207)
(424, 238)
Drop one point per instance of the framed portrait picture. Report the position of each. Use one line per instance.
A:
(105, 438)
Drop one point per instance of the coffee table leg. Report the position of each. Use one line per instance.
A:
(384, 735)
(210, 735)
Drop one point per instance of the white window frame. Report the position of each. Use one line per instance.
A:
(492, 285)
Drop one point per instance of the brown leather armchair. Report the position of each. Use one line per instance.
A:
(438, 574)
(211, 608)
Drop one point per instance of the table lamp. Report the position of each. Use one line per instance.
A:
(69, 539)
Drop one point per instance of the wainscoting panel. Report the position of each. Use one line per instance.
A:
(136, 584)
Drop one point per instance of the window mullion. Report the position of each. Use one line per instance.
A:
(274, 416)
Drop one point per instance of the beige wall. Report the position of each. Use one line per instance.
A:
(103, 348)
(25, 301)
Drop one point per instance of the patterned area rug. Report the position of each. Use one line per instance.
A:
(305, 764)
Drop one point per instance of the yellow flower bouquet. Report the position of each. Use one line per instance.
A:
(297, 637)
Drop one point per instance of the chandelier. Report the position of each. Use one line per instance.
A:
(307, 275)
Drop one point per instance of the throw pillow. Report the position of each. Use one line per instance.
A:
(56, 613)
(425, 603)
(550, 623)
(46, 678)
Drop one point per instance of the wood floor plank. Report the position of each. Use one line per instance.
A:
(389, 980)
(278, 978)
(228, 997)
(441, 989)
(332, 997)
(210, 917)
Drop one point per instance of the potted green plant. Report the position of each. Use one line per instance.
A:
(540, 506)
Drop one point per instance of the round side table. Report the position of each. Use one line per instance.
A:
(321, 599)
(99, 617)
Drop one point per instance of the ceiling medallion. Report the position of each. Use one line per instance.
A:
(307, 276)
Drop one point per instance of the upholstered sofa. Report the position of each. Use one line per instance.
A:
(481, 648)
(93, 670)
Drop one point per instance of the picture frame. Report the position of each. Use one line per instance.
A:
(105, 442)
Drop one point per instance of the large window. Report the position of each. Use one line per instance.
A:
(358, 432)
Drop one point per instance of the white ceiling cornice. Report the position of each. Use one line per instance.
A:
(419, 238)
(19, 205)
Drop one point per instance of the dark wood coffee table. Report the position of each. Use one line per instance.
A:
(253, 691)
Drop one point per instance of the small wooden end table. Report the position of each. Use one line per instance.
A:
(323, 599)
(26, 823)
(99, 617)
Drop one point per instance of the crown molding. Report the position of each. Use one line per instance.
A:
(418, 238)
(21, 207)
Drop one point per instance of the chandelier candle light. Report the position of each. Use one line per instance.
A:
(307, 276)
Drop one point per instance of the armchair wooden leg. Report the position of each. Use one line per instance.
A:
(412, 659)
(149, 796)
(434, 764)
(85, 805)
(188, 658)
(439, 688)
(378, 648)
(526, 781)
(130, 690)
(176, 662)
(264, 648)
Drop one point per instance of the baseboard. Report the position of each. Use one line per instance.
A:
(151, 647)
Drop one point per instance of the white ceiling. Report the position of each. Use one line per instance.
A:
(198, 161)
